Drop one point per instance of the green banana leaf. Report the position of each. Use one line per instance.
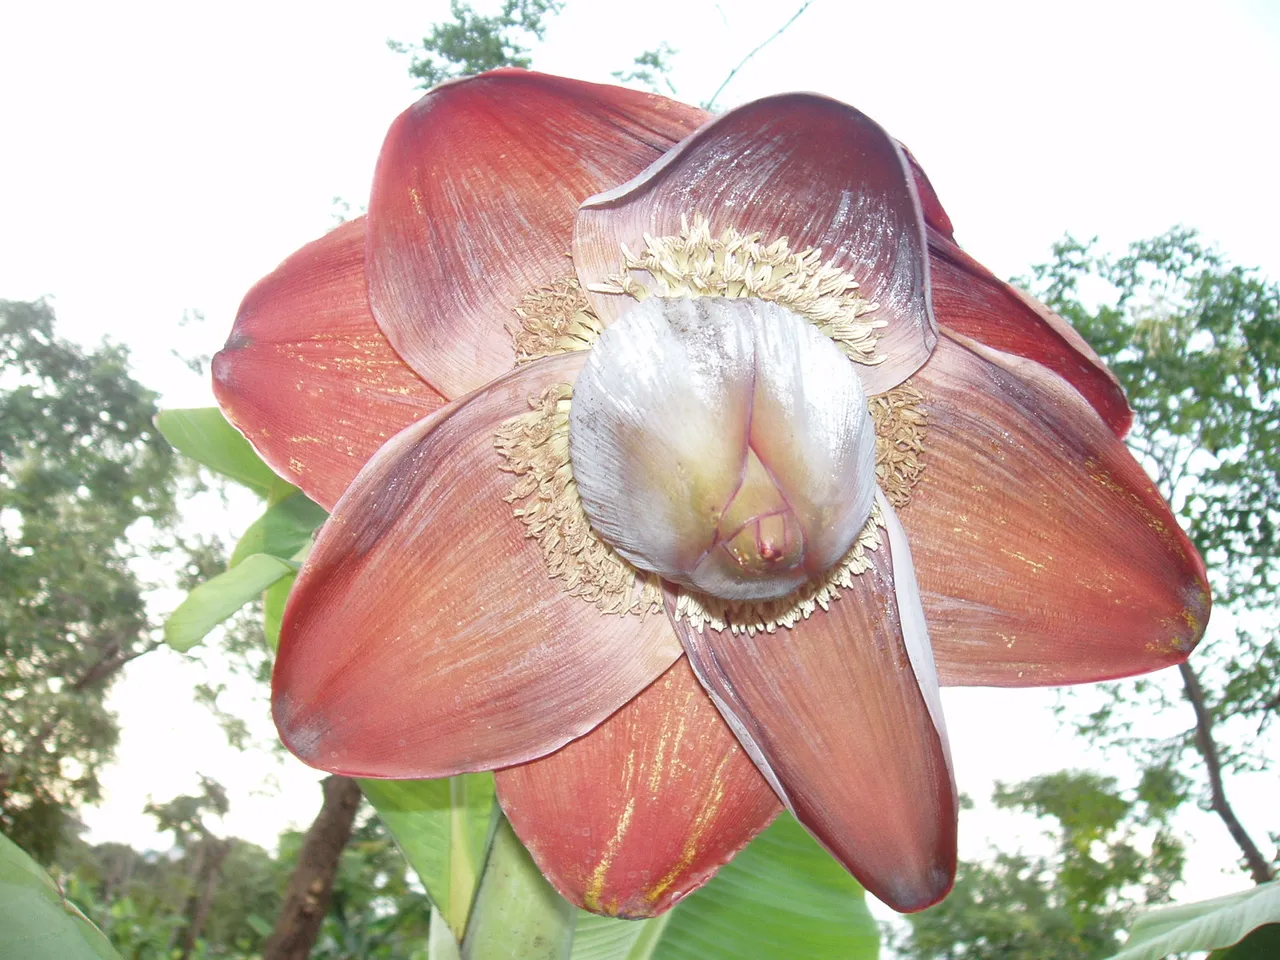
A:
(444, 828)
(36, 921)
(205, 436)
(284, 529)
(781, 897)
(212, 602)
(1208, 925)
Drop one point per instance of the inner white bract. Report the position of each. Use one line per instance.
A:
(723, 444)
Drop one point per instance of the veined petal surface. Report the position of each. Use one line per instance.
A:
(646, 807)
(473, 205)
(799, 166)
(969, 299)
(1045, 553)
(935, 215)
(307, 375)
(841, 713)
(424, 636)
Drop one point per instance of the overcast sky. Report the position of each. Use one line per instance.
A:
(160, 158)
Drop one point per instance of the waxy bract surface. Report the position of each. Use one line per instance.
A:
(428, 633)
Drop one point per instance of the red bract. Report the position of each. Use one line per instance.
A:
(413, 371)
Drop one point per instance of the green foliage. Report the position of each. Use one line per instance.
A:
(472, 43)
(268, 553)
(783, 896)
(1210, 925)
(184, 815)
(204, 435)
(651, 70)
(84, 477)
(782, 892)
(139, 898)
(36, 921)
(283, 530)
(444, 827)
(517, 914)
(273, 603)
(375, 911)
(1113, 851)
(212, 602)
(1262, 944)
(1097, 827)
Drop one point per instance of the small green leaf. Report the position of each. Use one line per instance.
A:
(204, 435)
(444, 828)
(783, 896)
(36, 922)
(212, 602)
(258, 925)
(518, 915)
(283, 530)
(273, 603)
(1208, 925)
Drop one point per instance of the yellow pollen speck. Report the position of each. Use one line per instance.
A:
(1100, 475)
(1035, 566)
(595, 886)
(689, 851)
(659, 758)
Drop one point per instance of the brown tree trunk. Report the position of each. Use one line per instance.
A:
(1259, 868)
(200, 902)
(311, 885)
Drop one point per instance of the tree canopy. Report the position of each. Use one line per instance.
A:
(81, 467)
(472, 43)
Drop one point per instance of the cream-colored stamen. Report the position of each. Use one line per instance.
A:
(696, 264)
(535, 447)
(900, 420)
(554, 319)
(557, 319)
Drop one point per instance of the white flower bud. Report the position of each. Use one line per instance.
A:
(723, 444)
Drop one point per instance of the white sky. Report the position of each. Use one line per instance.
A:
(162, 157)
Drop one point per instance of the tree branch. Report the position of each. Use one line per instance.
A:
(1259, 868)
(112, 662)
(710, 104)
(99, 671)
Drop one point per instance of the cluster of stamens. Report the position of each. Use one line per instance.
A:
(697, 263)
(535, 446)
